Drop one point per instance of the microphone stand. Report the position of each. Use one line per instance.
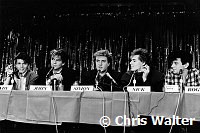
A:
(49, 80)
(96, 80)
(112, 81)
(179, 97)
(111, 88)
(54, 87)
(129, 102)
(181, 81)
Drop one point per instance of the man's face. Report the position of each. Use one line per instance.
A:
(21, 66)
(135, 63)
(102, 63)
(56, 62)
(177, 66)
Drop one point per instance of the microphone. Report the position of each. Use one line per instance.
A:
(96, 80)
(49, 72)
(132, 76)
(181, 71)
(54, 85)
(134, 80)
(181, 80)
(111, 78)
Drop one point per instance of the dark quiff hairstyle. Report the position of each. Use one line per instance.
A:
(59, 52)
(185, 57)
(105, 53)
(143, 55)
(23, 56)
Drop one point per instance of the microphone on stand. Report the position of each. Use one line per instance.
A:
(96, 79)
(49, 81)
(107, 74)
(132, 77)
(181, 80)
(54, 85)
(129, 101)
(49, 72)
(134, 80)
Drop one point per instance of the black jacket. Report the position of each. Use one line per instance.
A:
(155, 79)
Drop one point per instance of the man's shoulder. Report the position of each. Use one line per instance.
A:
(127, 74)
(194, 71)
(114, 72)
(89, 71)
(68, 71)
(157, 73)
(32, 73)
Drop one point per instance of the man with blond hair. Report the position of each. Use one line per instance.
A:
(103, 78)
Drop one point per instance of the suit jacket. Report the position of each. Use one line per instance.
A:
(155, 79)
(31, 79)
(88, 78)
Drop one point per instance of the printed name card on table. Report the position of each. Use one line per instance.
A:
(40, 88)
(82, 88)
(139, 89)
(172, 88)
(6, 87)
(192, 89)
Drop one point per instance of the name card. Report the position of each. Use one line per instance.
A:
(82, 88)
(40, 88)
(6, 87)
(192, 89)
(172, 88)
(139, 89)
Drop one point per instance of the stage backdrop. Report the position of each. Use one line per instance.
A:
(82, 28)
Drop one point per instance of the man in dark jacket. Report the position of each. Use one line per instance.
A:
(102, 77)
(64, 77)
(141, 73)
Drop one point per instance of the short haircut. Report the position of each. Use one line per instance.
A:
(143, 55)
(183, 55)
(105, 53)
(59, 52)
(23, 56)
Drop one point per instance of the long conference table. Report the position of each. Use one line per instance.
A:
(48, 107)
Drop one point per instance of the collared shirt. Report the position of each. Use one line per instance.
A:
(58, 72)
(192, 78)
(21, 82)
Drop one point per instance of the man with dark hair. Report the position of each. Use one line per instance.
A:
(102, 77)
(23, 77)
(144, 74)
(180, 63)
(64, 77)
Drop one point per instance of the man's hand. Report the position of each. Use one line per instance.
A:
(59, 77)
(145, 69)
(9, 70)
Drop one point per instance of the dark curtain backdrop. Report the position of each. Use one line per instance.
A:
(82, 30)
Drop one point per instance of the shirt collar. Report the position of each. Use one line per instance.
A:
(56, 72)
(23, 74)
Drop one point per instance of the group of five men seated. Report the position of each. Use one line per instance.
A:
(180, 72)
